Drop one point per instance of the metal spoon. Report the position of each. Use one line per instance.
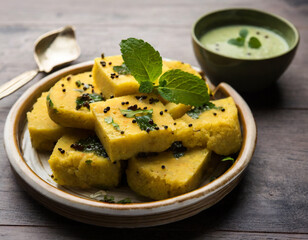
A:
(51, 50)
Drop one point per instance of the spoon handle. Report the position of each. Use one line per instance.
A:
(17, 82)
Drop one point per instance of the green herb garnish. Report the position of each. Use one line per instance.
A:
(228, 159)
(240, 40)
(143, 61)
(79, 90)
(143, 118)
(50, 103)
(90, 144)
(130, 113)
(145, 122)
(254, 42)
(85, 99)
(88, 162)
(122, 69)
(109, 120)
(108, 199)
(196, 111)
(182, 87)
(125, 200)
(78, 83)
(145, 64)
(177, 149)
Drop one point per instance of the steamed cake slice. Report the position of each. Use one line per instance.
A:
(62, 105)
(164, 176)
(110, 82)
(217, 129)
(129, 139)
(44, 132)
(178, 110)
(182, 66)
(75, 168)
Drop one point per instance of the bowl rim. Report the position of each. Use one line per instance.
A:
(14, 153)
(291, 25)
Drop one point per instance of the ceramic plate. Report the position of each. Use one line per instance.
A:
(33, 171)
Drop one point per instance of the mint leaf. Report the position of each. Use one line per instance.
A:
(196, 111)
(122, 69)
(228, 159)
(254, 42)
(239, 41)
(243, 33)
(145, 122)
(146, 87)
(109, 120)
(143, 61)
(182, 87)
(130, 113)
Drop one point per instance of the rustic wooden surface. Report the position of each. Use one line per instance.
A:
(271, 202)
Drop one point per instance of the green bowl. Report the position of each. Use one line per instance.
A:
(245, 75)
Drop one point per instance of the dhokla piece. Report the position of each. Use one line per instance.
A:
(182, 66)
(79, 160)
(112, 83)
(178, 110)
(122, 136)
(217, 129)
(44, 132)
(164, 176)
(68, 101)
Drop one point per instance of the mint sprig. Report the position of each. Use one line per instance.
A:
(143, 61)
(145, 64)
(182, 87)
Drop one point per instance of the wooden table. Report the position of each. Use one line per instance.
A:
(271, 202)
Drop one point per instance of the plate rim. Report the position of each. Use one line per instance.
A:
(11, 142)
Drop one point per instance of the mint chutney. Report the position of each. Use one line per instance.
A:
(235, 41)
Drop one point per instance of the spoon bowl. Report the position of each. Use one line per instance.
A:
(53, 49)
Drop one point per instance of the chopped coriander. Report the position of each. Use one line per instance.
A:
(50, 103)
(90, 144)
(108, 199)
(122, 69)
(177, 149)
(228, 159)
(85, 99)
(109, 120)
(78, 90)
(125, 200)
(88, 162)
(145, 122)
(78, 83)
(196, 111)
(130, 113)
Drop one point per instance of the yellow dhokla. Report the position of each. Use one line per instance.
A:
(44, 132)
(164, 176)
(110, 82)
(178, 110)
(128, 139)
(182, 66)
(68, 101)
(217, 129)
(82, 167)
